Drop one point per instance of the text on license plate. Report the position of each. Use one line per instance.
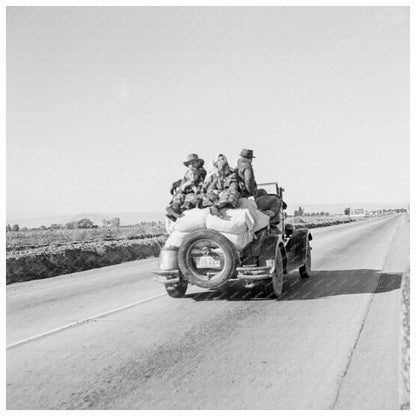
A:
(205, 262)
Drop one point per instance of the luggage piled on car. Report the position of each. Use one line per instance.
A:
(232, 221)
(261, 220)
(192, 220)
(237, 224)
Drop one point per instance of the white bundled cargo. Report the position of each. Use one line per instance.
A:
(235, 224)
(175, 239)
(233, 221)
(169, 225)
(238, 224)
(192, 220)
(240, 240)
(261, 220)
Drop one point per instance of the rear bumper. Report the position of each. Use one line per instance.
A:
(254, 273)
(167, 277)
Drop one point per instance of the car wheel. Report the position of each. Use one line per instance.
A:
(177, 290)
(207, 259)
(305, 270)
(277, 279)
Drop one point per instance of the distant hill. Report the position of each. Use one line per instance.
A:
(126, 218)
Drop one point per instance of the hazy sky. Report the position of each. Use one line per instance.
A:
(104, 104)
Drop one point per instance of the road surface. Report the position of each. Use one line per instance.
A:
(111, 338)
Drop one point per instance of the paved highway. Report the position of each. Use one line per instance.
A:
(111, 338)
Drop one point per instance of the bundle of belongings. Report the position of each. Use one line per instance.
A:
(238, 224)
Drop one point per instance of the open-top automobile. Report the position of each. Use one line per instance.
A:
(208, 259)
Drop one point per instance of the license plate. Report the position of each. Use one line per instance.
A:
(207, 262)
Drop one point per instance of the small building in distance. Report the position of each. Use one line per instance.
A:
(355, 212)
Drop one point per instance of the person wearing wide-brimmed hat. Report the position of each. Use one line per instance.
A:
(246, 180)
(192, 161)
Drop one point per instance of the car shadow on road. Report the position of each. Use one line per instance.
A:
(321, 284)
(341, 282)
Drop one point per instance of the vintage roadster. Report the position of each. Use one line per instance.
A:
(208, 259)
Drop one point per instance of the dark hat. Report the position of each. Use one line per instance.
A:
(247, 154)
(193, 157)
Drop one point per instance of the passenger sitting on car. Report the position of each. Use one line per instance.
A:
(245, 174)
(270, 205)
(187, 196)
(221, 188)
(192, 161)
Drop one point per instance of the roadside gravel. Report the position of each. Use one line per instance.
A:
(405, 343)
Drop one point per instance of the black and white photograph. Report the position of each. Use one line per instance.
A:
(207, 206)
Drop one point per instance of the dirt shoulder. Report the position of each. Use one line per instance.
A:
(50, 261)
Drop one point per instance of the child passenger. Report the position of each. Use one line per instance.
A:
(187, 195)
(192, 161)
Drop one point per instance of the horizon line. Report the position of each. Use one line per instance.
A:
(52, 214)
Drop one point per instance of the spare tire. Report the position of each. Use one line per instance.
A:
(207, 259)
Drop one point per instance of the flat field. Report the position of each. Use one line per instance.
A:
(32, 239)
(315, 221)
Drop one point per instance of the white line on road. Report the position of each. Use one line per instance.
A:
(76, 281)
(82, 321)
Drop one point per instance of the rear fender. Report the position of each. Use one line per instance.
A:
(296, 248)
(268, 249)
